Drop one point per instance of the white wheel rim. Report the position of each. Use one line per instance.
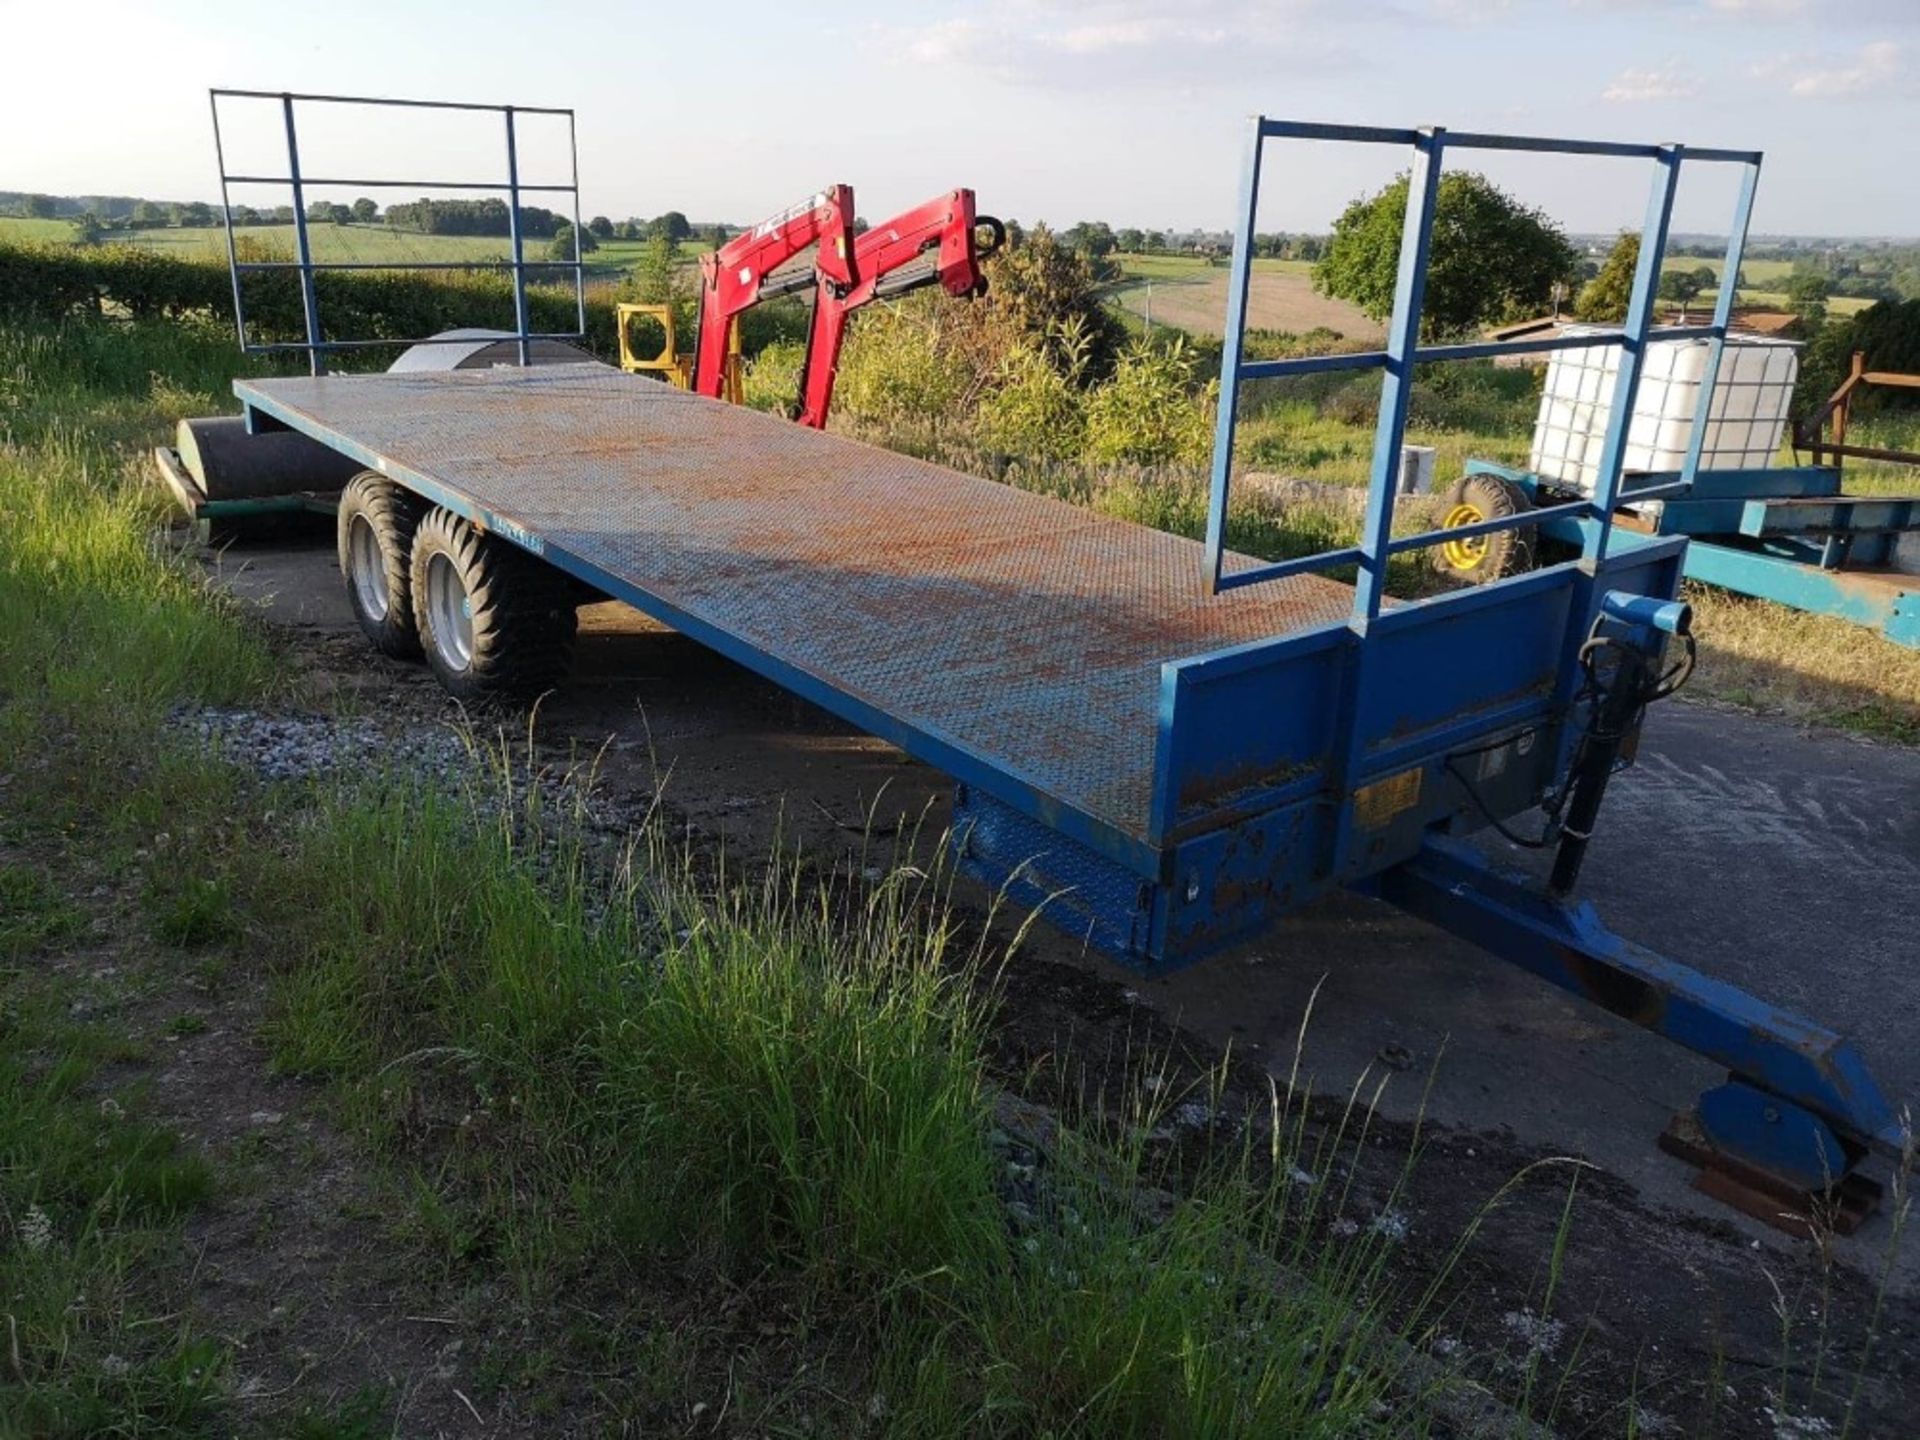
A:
(449, 614)
(367, 570)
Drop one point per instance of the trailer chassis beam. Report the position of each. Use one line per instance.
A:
(1799, 1105)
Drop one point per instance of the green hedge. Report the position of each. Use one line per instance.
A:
(47, 283)
(50, 282)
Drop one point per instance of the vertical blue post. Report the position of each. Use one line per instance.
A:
(1722, 316)
(226, 216)
(309, 300)
(579, 268)
(513, 232)
(1238, 284)
(1396, 387)
(1633, 348)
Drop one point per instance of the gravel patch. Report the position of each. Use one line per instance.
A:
(310, 747)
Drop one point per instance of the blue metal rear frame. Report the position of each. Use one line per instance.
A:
(316, 345)
(1403, 352)
(1368, 691)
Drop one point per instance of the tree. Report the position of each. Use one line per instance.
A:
(1683, 287)
(717, 235)
(87, 229)
(195, 215)
(1492, 257)
(148, 216)
(674, 226)
(561, 246)
(366, 211)
(1130, 241)
(1092, 238)
(40, 207)
(658, 273)
(1044, 293)
(1807, 294)
(1806, 288)
(601, 226)
(1604, 299)
(243, 215)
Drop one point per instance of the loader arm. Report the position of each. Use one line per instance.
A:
(935, 243)
(733, 277)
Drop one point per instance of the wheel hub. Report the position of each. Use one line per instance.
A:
(367, 570)
(449, 614)
(1469, 552)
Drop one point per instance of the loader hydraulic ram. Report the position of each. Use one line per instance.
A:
(736, 276)
(940, 242)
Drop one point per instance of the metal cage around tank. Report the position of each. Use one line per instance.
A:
(315, 344)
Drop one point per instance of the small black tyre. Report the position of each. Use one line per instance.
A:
(375, 528)
(1481, 558)
(497, 624)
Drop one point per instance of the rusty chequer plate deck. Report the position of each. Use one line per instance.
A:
(1023, 631)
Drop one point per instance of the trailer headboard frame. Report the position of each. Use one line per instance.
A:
(316, 344)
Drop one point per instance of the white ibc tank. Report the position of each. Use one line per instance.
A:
(1744, 427)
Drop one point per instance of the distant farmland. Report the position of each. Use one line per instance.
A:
(361, 244)
(1189, 293)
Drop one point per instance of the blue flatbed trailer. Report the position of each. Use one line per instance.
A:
(1073, 672)
(1160, 743)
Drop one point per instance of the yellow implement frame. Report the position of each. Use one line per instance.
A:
(670, 363)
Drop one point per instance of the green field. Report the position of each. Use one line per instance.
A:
(358, 244)
(34, 232)
(1189, 293)
(1766, 285)
(1758, 272)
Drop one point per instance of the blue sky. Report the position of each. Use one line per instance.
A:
(1127, 110)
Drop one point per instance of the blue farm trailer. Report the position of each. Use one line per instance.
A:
(1161, 743)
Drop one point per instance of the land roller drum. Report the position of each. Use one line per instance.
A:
(225, 463)
(229, 464)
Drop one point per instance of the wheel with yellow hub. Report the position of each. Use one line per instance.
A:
(1480, 558)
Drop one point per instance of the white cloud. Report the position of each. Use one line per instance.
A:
(1664, 82)
(1471, 12)
(1823, 77)
(1145, 43)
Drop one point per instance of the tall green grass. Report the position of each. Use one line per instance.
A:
(594, 1056)
(102, 630)
(751, 1069)
(104, 625)
(785, 1073)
